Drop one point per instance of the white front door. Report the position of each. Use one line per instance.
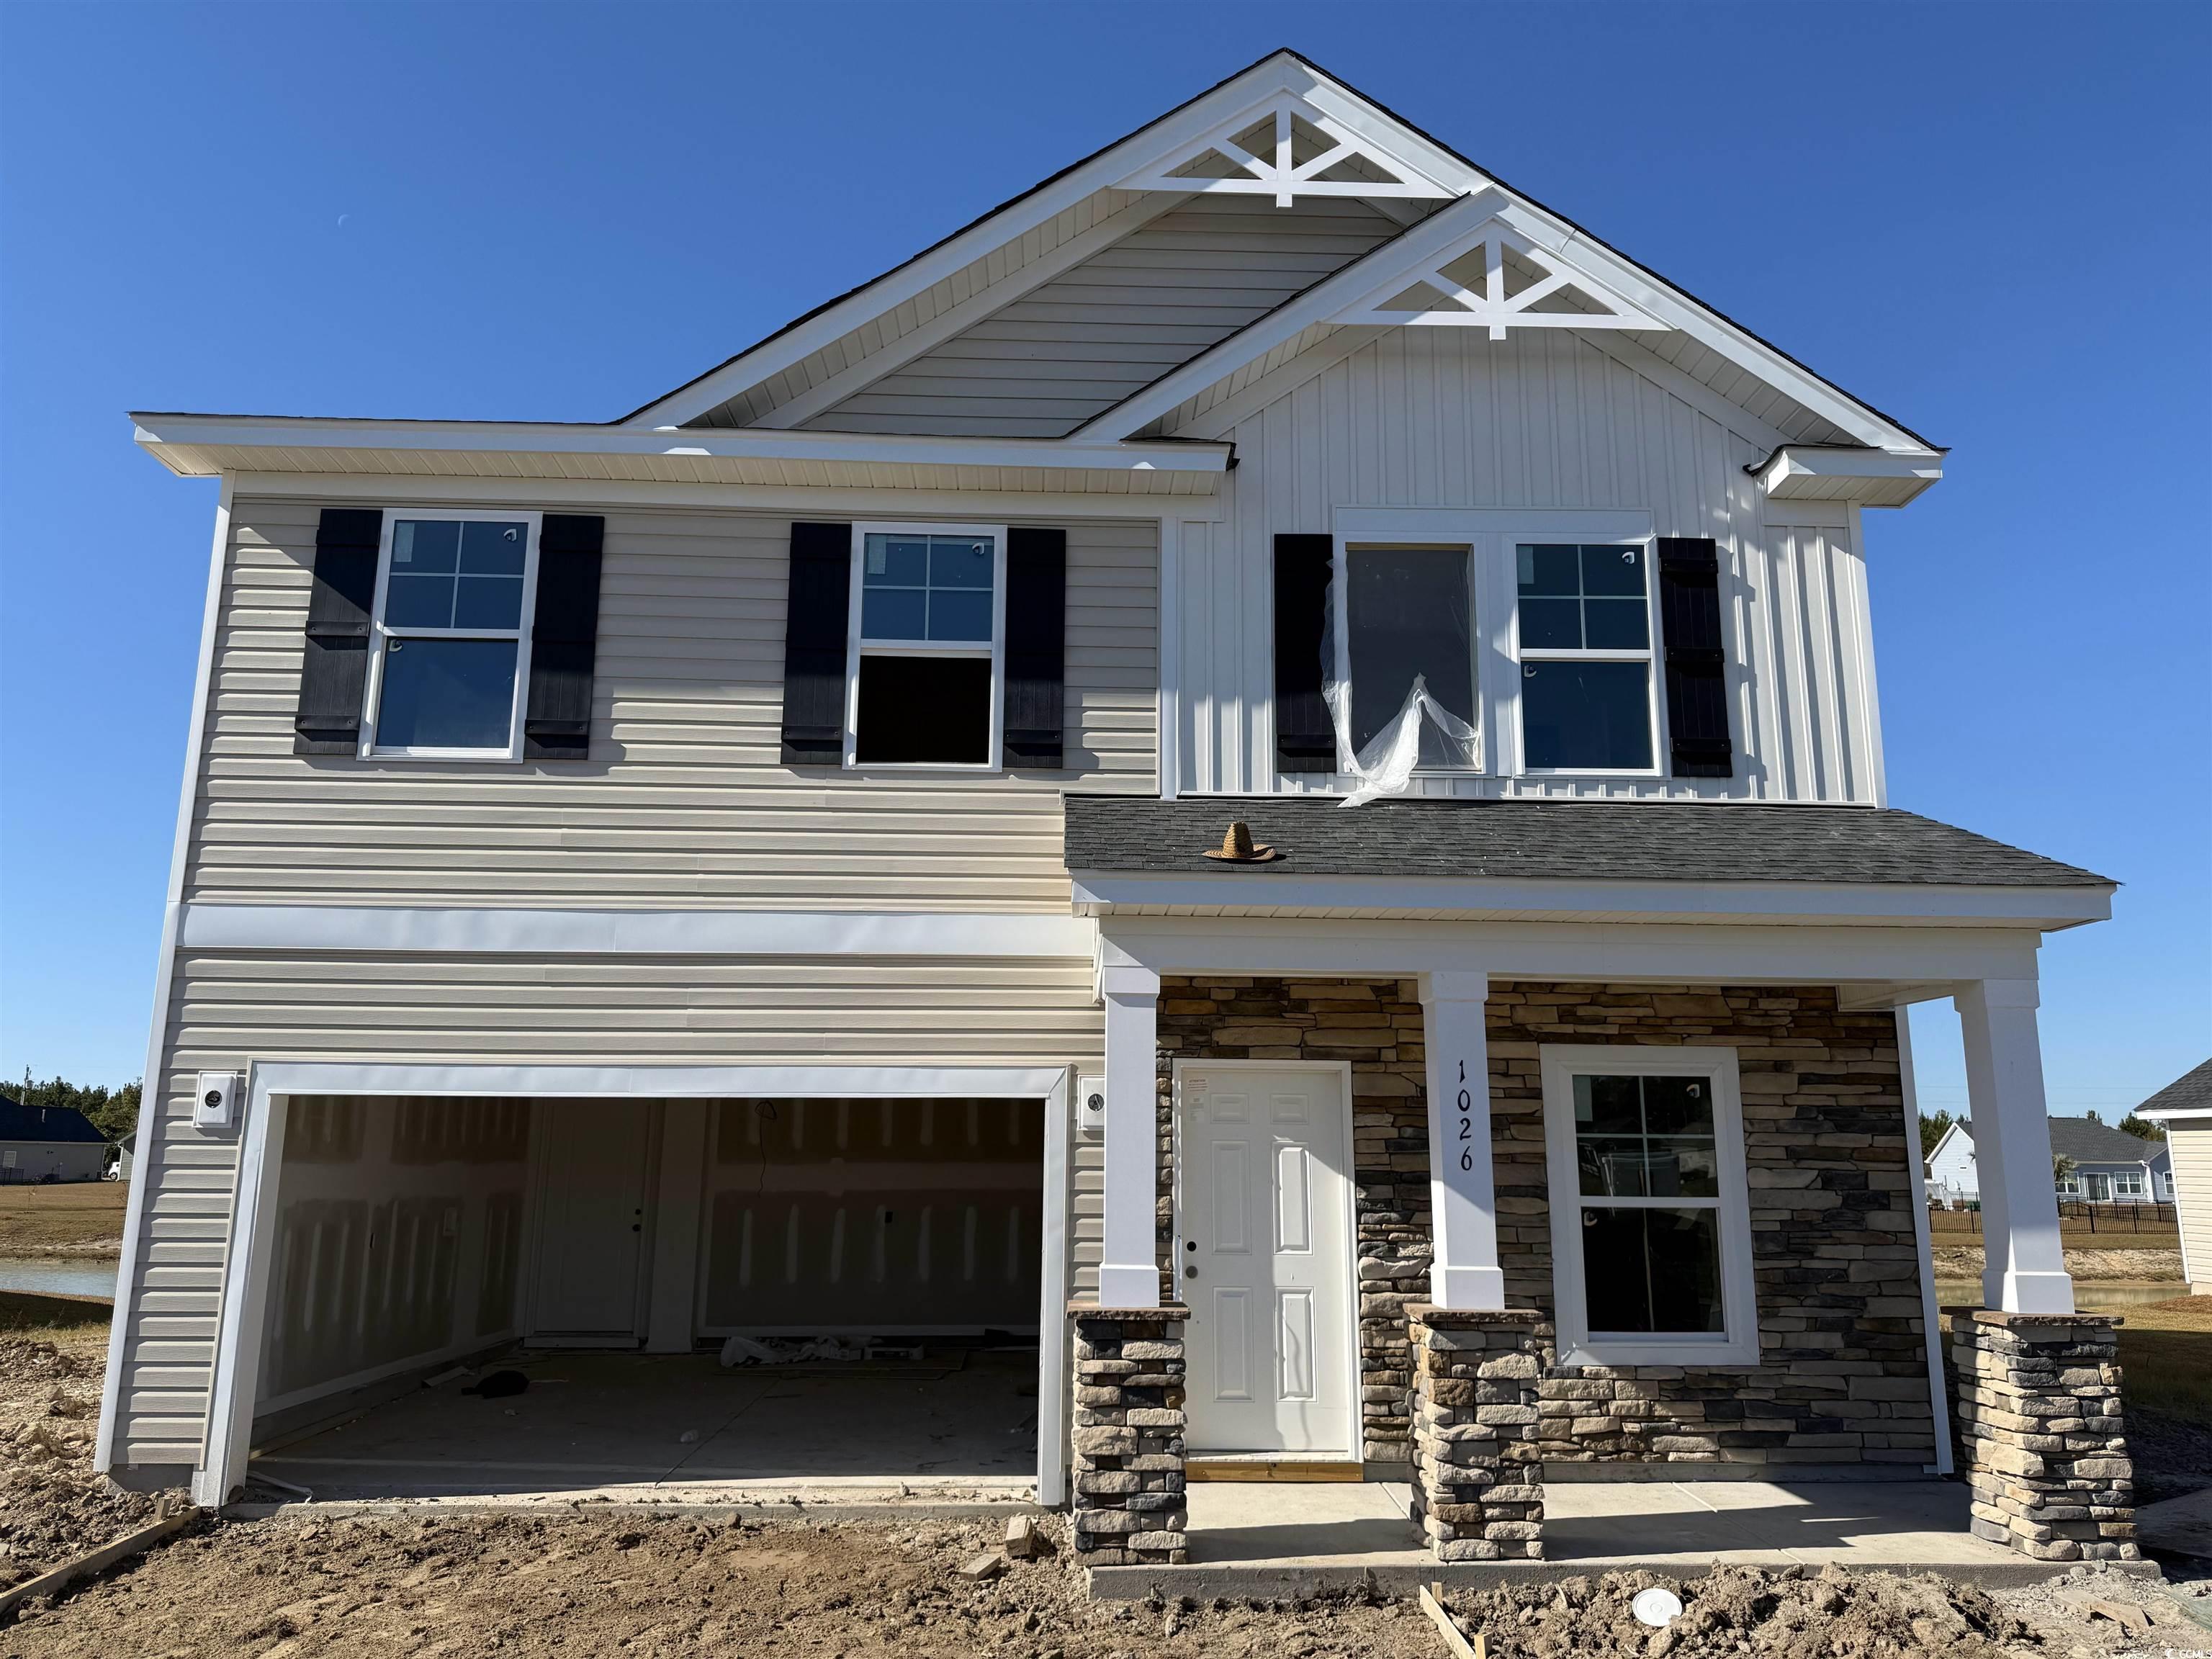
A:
(592, 1157)
(1267, 1262)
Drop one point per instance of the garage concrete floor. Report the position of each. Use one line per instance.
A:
(642, 1424)
(1598, 1525)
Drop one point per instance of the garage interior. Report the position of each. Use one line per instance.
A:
(885, 1254)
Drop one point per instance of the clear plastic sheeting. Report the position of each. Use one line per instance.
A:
(1407, 743)
(1410, 615)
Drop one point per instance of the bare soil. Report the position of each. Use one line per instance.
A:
(82, 1218)
(2106, 1262)
(53, 1506)
(538, 1587)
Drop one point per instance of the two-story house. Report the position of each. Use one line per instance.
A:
(757, 865)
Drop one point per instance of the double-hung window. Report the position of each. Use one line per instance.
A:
(1407, 611)
(1651, 1211)
(1585, 640)
(451, 642)
(928, 646)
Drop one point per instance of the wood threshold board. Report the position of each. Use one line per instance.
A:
(1289, 1470)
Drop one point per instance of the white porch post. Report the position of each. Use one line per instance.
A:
(2025, 1270)
(1464, 1275)
(1129, 1272)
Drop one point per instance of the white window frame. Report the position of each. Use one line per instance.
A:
(2137, 1187)
(1649, 656)
(1737, 1342)
(856, 645)
(380, 634)
(1347, 548)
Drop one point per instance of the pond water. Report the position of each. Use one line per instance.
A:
(2090, 1295)
(59, 1277)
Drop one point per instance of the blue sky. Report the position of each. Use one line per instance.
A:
(1988, 221)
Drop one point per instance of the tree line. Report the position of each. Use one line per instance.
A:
(113, 1112)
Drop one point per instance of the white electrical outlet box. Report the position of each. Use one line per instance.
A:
(1091, 1105)
(217, 1103)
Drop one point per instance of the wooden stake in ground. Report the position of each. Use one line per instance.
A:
(1455, 1639)
(60, 1578)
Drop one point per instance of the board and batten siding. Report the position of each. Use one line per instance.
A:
(229, 1008)
(684, 802)
(1543, 420)
(1073, 347)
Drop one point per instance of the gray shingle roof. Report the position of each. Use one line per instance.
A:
(1533, 840)
(19, 1122)
(2085, 1142)
(2191, 1092)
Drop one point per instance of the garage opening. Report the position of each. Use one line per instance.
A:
(689, 1293)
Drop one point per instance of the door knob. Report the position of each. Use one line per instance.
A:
(1190, 1272)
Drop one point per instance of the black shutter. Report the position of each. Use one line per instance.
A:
(564, 638)
(1305, 738)
(334, 674)
(1036, 645)
(1697, 660)
(814, 617)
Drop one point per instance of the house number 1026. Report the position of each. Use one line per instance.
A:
(1466, 1119)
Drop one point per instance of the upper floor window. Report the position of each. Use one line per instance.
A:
(452, 653)
(1584, 621)
(1409, 612)
(927, 647)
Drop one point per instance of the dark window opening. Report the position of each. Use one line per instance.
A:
(924, 711)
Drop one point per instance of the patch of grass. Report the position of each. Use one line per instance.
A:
(2165, 1358)
(70, 1216)
(2114, 1232)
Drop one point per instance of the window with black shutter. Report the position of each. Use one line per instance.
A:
(1583, 625)
(450, 654)
(1305, 736)
(1697, 658)
(341, 618)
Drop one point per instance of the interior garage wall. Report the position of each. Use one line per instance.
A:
(877, 1215)
(398, 1238)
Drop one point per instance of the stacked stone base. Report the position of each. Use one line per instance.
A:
(1478, 1488)
(2040, 1437)
(1128, 1507)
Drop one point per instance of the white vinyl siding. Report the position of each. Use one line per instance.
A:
(1083, 342)
(684, 803)
(232, 1008)
(2190, 1142)
(1541, 421)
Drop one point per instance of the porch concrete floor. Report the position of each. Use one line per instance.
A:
(598, 1424)
(1598, 1526)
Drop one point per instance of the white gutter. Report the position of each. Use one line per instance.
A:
(173, 437)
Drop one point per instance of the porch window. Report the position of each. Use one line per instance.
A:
(927, 647)
(1584, 633)
(451, 654)
(1650, 1218)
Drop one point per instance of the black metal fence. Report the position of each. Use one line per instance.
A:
(2113, 1216)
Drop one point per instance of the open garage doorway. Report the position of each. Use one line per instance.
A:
(748, 1296)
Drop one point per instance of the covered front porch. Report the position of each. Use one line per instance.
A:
(1472, 1185)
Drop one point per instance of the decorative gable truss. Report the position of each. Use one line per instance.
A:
(1285, 148)
(1496, 279)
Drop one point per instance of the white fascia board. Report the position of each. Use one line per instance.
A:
(1102, 172)
(1821, 472)
(1653, 952)
(164, 433)
(1105, 892)
(632, 933)
(653, 1082)
(2178, 1114)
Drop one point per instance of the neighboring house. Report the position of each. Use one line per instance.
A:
(2110, 1166)
(742, 867)
(2185, 1108)
(125, 1159)
(48, 1143)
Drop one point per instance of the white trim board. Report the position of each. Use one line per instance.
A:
(248, 1270)
(631, 933)
(148, 1135)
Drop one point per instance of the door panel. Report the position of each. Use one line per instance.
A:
(591, 1216)
(1271, 1335)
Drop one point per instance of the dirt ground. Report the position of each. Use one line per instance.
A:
(535, 1588)
(53, 1506)
(70, 1218)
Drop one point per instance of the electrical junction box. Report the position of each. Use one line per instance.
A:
(1090, 1106)
(217, 1101)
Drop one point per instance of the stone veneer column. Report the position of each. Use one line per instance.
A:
(1477, 1491)
(2040, 1437)
(1128, 1504)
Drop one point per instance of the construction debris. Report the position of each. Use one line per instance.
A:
(1025, 1542)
